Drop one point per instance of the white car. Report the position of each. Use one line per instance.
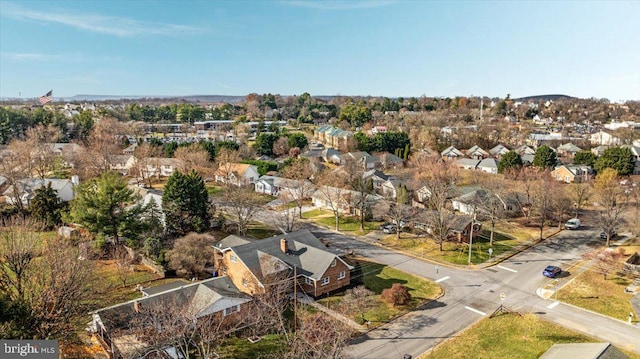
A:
(573, 223)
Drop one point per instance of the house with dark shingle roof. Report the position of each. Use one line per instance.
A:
(117, 328)
(255, 265)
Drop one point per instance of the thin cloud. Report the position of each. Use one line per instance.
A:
(340, 5)
(28, 56)
(110, 25)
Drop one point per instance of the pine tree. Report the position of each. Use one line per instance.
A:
(185, 203)
(47, 207)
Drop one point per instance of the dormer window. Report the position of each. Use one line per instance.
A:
(333, 264)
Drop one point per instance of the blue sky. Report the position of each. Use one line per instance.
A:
(378, 48)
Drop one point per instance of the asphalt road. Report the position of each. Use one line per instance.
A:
(470, 295)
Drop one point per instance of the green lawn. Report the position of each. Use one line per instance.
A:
(347, 223)
(453, 252)
(508, 336)
(377, 277)
(109, 284)
(241, 348)
(591, 291)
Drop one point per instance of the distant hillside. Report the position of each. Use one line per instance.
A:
(545, 98)
(191, 98)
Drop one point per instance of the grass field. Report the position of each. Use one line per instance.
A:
(454, 252)
(241, 348)
(377, 277)
(508, 336)
(347, 223)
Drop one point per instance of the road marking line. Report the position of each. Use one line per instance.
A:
(509, 269)
(553, 305)
(475, 310)
(442, 279)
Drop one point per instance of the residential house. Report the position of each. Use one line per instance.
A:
(477, 153)
(525, 150)
(568, 150)
(460, 227)
(160, 167)
(24, 190)
(572, 173)
(116, 330)
(467, 163)
(361, 158)
(498, 151)
(451, 153)
(599, 150)
(467, 199)
(274, 185)
(377, 177)
(330, 198)
(331, 155)
(237, 174)
(378, 129)
(391, 188)
(489, 165)
(130, 149)
(332, 136)
(122, 163)
(604, 138)
(388, 160)
(255, 265)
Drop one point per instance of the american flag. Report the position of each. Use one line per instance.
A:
(46, 98)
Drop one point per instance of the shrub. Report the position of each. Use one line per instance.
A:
(398, 294)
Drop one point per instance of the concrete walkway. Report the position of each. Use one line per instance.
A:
(303, 298)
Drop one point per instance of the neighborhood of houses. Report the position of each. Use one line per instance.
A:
(245, 267)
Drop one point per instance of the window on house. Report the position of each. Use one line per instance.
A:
(245, 282)
(233, 258)
(325, 281)
(308, 280)
(231, 310)
(566, 178)
(277, 266)
(341, 275)
(224, 270)
(333, 264)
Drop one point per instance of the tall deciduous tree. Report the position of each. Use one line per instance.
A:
(299, 171)
(105, 205)
(185, 203)
(243, 204)
(612, 202)
(579, 194)
(544, 194)
(545, 157)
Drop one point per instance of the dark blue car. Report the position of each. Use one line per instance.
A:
(551, 271)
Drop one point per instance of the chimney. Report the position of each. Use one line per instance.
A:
(284, 246)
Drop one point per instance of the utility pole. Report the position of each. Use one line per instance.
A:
(295, 298)
(473, 219)
(481, 103)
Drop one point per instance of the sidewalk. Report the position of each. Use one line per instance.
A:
(303, 298)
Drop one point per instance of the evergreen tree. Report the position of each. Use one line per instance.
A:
(47, 207)
(545, 157)
(185, 203)
(106, 205)
(620, 159)
(585, 157)
(509, 160)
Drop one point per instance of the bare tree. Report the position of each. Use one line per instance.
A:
(123, 264)
(194, 157)
(299, 171)
(562, 205)
(579, 194)
(612, 202)
(395, 212)
(363, 196)
(360, 298)
(439, 179)
(332, 194)
(543, 196)
(191, 254)
(319, 337)
(526, 177)
(243, 204)
(605, 260)
(492, 206)
(281, 146)
(39, 142)
(225, 160)
(16, 166)
(19, 246)
(286, 217)
(146, 156)
(102, 148)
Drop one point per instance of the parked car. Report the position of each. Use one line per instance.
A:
(573, 223)
(603, 234)
(392, 228)
(551, 271)
(382, 226)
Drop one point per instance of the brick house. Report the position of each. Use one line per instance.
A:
(256, 265)
(572, 173)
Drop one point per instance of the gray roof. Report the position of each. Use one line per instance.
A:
(451, 151)
(375, 173)
(488, 163)
(499, 149)
(163, 287)
(583, 351)
(527, 158)
(306, 253)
